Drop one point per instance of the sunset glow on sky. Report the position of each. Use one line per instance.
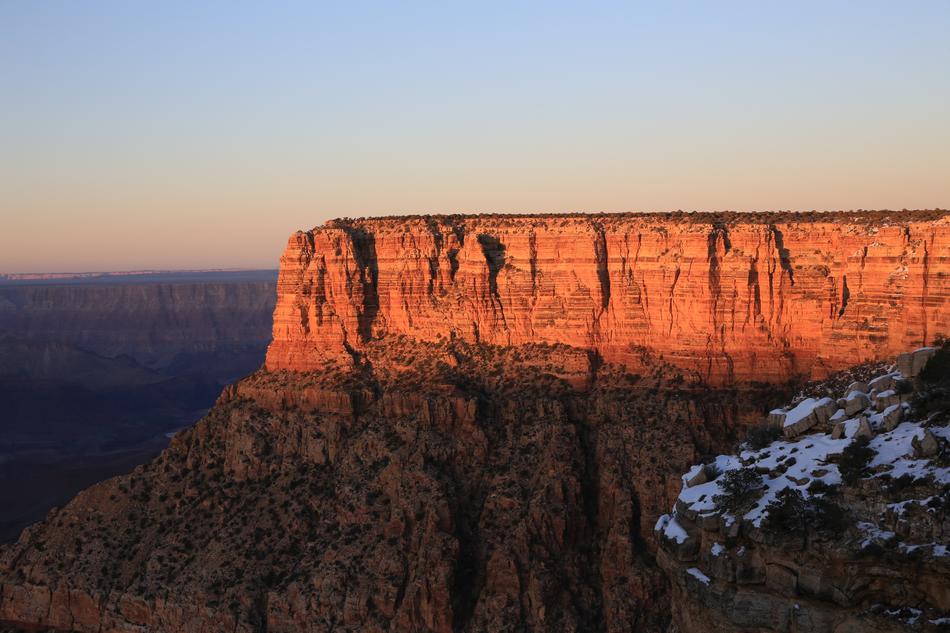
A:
(172, 135)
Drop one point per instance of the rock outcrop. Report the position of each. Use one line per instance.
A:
(726, 298)
(830, 532)
(437, 487)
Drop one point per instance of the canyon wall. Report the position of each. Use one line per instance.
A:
(157, 324)
(728, 298)
(94, 372)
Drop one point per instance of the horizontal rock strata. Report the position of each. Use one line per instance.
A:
(729, 298)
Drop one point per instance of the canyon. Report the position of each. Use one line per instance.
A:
(474, 423)
(95, 370)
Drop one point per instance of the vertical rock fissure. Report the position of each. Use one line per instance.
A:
(845, 295)
(712, 255)
(364, 251)
(784, 257)
(603, 272)
(755, 294)
(468, 576)
(533, 259)
(494, 252)
(676, 278)
(438, 241)
(925, 290)
(459, 232)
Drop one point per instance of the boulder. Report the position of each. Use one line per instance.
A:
(776, 418)
(855, 402)
(825, 410)
(699, 477)
(910, 364)
(857, 386)
(807, 414)
(882, 383)
(864, 429)
(926, 445)
(891, 417)
(886, 399)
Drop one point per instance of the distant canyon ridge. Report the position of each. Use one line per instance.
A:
(96, 369)
(727, 298)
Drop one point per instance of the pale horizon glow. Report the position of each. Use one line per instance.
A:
(174, 136)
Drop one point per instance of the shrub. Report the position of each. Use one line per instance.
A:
(758, 437)
(904, 386)
(787, 513)
(932, 399)
(854, 460)
(790, 513)
(827, 516)
(740, 490)
(937, 369)
(818, 486)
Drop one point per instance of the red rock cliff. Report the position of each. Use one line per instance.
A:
(730, 297)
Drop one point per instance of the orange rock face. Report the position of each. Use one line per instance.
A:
(727, 298)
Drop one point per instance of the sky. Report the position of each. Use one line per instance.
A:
(174, 135)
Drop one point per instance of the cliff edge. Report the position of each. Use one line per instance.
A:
(727, 298)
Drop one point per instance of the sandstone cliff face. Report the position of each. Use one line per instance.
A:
(732, 298)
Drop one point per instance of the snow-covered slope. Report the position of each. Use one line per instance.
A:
(832, 518)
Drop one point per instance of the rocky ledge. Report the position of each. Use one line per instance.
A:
(842, 525)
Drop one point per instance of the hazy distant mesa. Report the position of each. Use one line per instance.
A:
(137, 276)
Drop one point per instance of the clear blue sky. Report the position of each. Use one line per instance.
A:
(173, 135)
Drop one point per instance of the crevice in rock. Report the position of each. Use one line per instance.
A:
(784, 257)
(603, 272)
(755, 293)
(845, 295)
(676, 278)
(715, 274)
(364, 251)
(494, 252)
(468, 577)
(533, 261)
(438, 241)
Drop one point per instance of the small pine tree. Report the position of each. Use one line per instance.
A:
(740, 490)
(787, 513)
(854, 460)
(827, 516)
(758, 437)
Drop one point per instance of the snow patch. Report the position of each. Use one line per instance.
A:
(698, 575)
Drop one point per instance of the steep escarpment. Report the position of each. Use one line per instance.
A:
(726, 298)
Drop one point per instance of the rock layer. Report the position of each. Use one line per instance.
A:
(729, 298)
(159, 324)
